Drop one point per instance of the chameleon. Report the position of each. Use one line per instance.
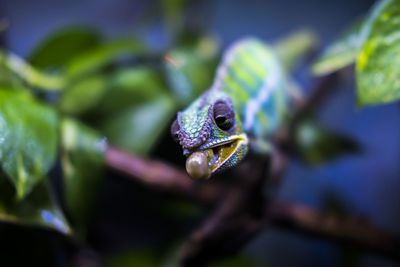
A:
(246, 103)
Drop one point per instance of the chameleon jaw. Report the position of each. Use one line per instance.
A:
(210, 157)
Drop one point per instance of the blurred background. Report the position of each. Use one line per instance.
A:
(130, 225)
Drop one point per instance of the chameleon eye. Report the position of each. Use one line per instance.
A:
(224, 116)
(175, 130)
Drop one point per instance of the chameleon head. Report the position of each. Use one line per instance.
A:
(210, 134)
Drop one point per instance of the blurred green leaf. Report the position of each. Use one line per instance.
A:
(103, 55)
(9, 80)
(82, 164)
(29, 74)
(137, 128)
(39, 208)
(128, 87)
(378, 64)
(342, 52)
(316, 144)
(293, 47)
(190, 69)
(62, 45)
(81, 65)
(28, 139)
(83, 95)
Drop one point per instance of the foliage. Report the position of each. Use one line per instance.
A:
(342, 52)
(192, 68)
(78, 91)
(37, 209)
(373, 43)
(291, 48)
(82, 164)
(316, 144)
(71, 41)
(28, 139)
(378, 62)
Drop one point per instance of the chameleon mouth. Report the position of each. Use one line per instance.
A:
(210, 157)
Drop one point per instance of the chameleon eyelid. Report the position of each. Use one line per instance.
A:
(222, 109)
(175, 130)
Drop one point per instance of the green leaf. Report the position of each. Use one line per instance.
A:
(9, 80)
(28, 139)
(29, 74)
(293, 47)
(39, 208)
(62, 45)
(83, 64)
(128, 87)
(137, 129)
(342, 52)
(83, 95)
(190, 69)
(103, 55)
(378, 64)
(316, 144)
(83, 165)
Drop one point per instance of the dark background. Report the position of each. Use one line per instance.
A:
(366, 185)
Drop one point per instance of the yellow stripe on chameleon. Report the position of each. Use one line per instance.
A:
(237, 90)
(244, 75)
(251, 71)
(266, 58)
(253, 65)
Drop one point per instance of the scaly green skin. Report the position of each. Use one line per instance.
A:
(251, 81)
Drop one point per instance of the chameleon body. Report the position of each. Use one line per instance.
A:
(247, 101)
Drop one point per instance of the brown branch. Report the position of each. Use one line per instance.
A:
(342, 229)
(230, 227)
(321, 89)
(244, 213)
(163, 177)
(236, 220)
(223, 234)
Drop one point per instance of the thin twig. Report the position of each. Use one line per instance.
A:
(223, 233)
(301, 219)
(320, 91)
(235, 221)
(342, 229)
